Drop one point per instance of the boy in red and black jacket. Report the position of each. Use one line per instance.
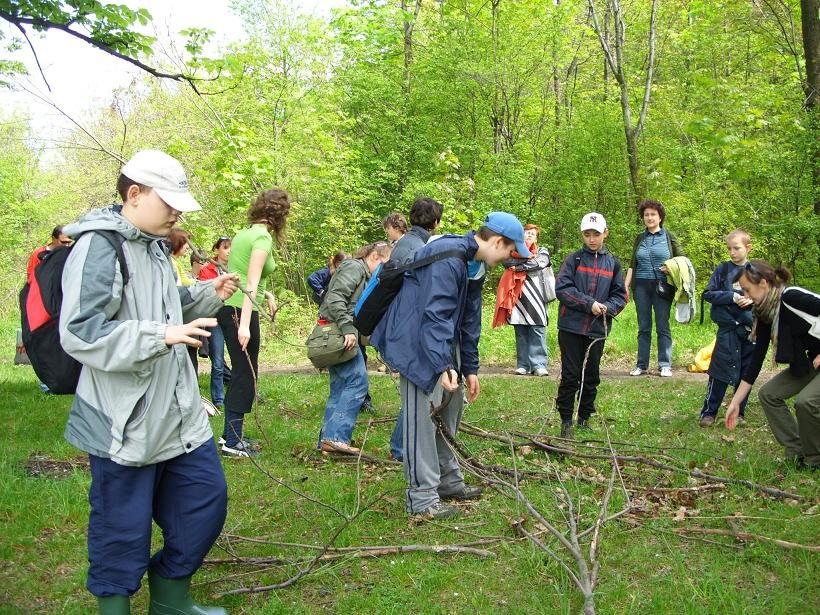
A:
(590, 288)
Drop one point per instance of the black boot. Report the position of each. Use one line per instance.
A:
(172, 597)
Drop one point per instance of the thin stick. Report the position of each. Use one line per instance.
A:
(746, 536)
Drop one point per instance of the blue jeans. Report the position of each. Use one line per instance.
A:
(216, 351)
(397, 439)
(348, 388)
(186, 496)
(647, 300)
(530, 347)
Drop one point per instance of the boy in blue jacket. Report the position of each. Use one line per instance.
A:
(590, 288)
(732, 313)
(430, 336)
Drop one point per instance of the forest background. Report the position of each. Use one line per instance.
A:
(545, 108)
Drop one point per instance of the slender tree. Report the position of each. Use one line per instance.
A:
(614, 58)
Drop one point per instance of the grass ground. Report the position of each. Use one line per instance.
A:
(646, 566)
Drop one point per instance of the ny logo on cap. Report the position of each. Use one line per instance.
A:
(183, 185)
(593, 218)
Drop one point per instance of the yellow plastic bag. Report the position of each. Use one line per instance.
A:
(702, 359)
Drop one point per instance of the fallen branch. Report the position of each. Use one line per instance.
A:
(747, 536)
(332, 554)
(771, 491)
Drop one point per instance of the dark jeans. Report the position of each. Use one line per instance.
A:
(220, 372)
(647, 301)
(242, 392)
(187, 497)
(715, 392)
(573, 349)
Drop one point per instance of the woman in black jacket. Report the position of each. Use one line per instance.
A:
(788, 318)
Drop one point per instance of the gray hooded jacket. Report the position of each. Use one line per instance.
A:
(137, 400)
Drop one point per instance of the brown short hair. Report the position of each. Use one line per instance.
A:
(533, 227)
(395, 220)
(758, 270)
(382, 247)
(486, 234)
(271, 207)
(178, 238)
(124, 183)
(656, 205)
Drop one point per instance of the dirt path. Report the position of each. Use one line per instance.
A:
(497, 370)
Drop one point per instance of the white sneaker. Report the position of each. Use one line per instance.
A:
(520, 372)
(666, 372)
(637, 372)
(541, 371)
(241, 449)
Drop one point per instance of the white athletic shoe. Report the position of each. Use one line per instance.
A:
(666, 372)
(637, 372)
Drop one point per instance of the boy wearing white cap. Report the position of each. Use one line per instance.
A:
(137, 411)
(591, 291)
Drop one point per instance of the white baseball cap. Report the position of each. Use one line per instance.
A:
(593, 221)
(165, 175)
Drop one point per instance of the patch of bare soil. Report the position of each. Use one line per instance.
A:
(42, 466)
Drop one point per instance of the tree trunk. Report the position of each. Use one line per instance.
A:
(811, 47)
(407, 75)
(614, 57)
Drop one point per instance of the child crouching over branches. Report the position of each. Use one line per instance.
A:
(788, 318)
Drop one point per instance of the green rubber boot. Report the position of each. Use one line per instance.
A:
(114, 605)
(172, 597)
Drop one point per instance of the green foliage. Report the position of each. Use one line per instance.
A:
(109, 25)
(497, 105)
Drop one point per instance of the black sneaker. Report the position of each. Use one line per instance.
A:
(367, 406)
(438, 510)
(801, 464)
(566, 430)
(583, 425)
(465, 493)
(240, 449)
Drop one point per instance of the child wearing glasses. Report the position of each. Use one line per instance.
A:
(732, 312)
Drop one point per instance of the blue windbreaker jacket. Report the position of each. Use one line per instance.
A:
(436, 310)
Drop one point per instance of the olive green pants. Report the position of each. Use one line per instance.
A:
(799, 434)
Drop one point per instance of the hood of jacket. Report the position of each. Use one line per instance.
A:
(109, 219)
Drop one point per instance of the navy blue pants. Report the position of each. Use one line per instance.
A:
(715, 392)
(188, 498)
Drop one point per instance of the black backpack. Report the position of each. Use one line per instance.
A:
(40, 305)
(384, 285)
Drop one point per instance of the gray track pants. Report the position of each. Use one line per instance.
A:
(430, 466)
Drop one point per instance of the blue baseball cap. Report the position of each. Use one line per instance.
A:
(508, 225)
